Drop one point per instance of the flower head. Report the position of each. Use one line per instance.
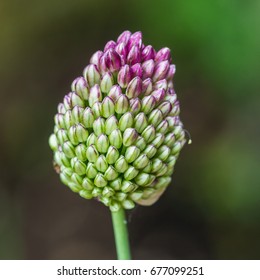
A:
(117, 134)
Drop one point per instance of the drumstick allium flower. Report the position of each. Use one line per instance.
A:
(118, 133)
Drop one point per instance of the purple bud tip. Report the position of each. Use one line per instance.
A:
(112, 60)
(109, 45)
(124, 76)
(124, 37)
(95, 58)
(136, 40)
(148, 53)
(137, 70)
(163, 54)
(148, 68)
(134, 55)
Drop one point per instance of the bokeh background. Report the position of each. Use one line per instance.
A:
(212, 208)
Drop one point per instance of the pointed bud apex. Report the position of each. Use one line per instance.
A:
(131, 153)
(158, 140)
(162, 127)
(111, 124)
(101, 164)
(108, 192)
(141, 162)
(142, 179)
(165, 108)
(150, 151)
(135, 40)
(172, 121)
(85, 194)
(72, 135)
(95, 58)
(112, 155)
(161, 70)
(115, 92)
(68, 120)
(100, 181)
(59, 120)
(134, 88)
(136, 195)
(102, 65)
(91, 171)
(99, 126)
(67, 102)
(148, 68)
(116, 184)
(124, 76)
(102, 143)
(76, 100)
(140, 143)
(159, 94)
(147, 86)
(149, 133)
(97, 109)
(169, 140)
(88, 118)
(68, 149)
(121, 49)
(163, 54)
(111, 173)
(163, 152)
(107, 82)
(171, 72)
(80, 152)
(62, 136)
(148, 103)
(140, 122)
(109, 45)
(53, 142)
(92, 153)
(128, 186)
(108, 107)
(137, 70)
(129, 137)
(162, 170)
(87, 184)
(91, 74)
(79, 167)
(155, 117)
(61, 109)
(162, 84)
(124, 37)
(148, 53)
(135, 106)
(112, 60)
(122, 104)
(81, 88)
(121, 164)
(130, 173)
(115, 138)
(81, 133)
(77, 114)
(92, 139)
(126, 121)
(134, 56)
(95, 95)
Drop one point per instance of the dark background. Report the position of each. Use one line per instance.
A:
(212, 208)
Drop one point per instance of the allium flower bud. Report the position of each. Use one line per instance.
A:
(118, 134)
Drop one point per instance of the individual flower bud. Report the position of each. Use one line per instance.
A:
(130, 173)
(171, 72)
(162, 170)
(77, 113)
(85, 194)
(116, 184)
(107, 82)
(102, 143)
(88, 118)
(163, 152)
(156, 165)
(163, 54)
(112, 60)
(121, 164)
(158, 140)
(124, 76)
(111, 124)
(59, 120)
(142, 179)
(97, 109)
(95, 58)
(99, 126)
(140, 143)
(81, 88)
(165, 108)
(97, 192)
(62, 136)
(101, 163)
(102, 65)
(149, 133)
(76, 100)
(64, 160)
(162, 84)
(94, 95)
(171, 122)
(160, 70)
(129, 137)
(114, 206)
(100, 181)
(126, 121)
(148, 103)
(176, 148)
(140, 122)
(108, 107)
(77, 179)
(92, 139)
(150, 151)
(147, 86)
(115, 138)
(91, 171)
(171, 161)
(92, 153)
(68, 149)
(148, 53)
(111, 173)
(122, 104)
(61, 108)
(148, 167)
(68, 120)
(53, 142)
(67, 102)
(91, 74)
(109, 45)
(112, 155)
(135, 40)
(121, 49)
(134, 88)
(148, 68)
(131, 153)
(128, 186)
(134, 56)
(124, 37)
(79, 167)
(115, 92)
(169, 140)
(81, 133)
(80, 152)
(135, 106)
(137, 70)
(141, 161)
(155, 117)
(121, 196)
(159, 94)
(108, 192)
(162, 127)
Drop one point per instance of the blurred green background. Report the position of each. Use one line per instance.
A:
(212, 208)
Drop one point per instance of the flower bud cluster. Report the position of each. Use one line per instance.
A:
(117, 134)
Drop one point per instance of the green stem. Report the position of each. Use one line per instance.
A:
(121, 235)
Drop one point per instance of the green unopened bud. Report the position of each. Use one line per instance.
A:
(169, 140)
(108, 107)
(91, 74)
(148, 103)
(156, 165)
(100, 181)
(155, 117)
(140, 143)
(68, 149)
(162, 127)
(72, 135)
(88, 184)
(79, 167)
(112, 155)
(95, 95)
(91, 171)
(68, 120)
(116, 184)
(115, 138)
(77, 179)
(148, 168)
(53, 142)
(149, 133)
(111, 124)
(177, 131)
(176, 148)
(61, 108)
(107, 82)
(163, 182)
(165, 108)
(135, 106)
(144, 179)
(158, 140)
(81, 87)
(74, 187)
(76, 100)
(171, 161)
(85, 194)
(130, 173)
(102, 143)
(128, 204)
(81, 133)
(140, 122)
(114, 206)
(163, 152)
(111, 173)
(92, 153)
(97, 109)
(88, 118)
(129, 137)
(96, 192)
(115, 92)
(131, 153)
(126, 121)
(121, 164)
(62, 136)
(108, 192)
(135, 196)
(122, 104)
(99, 126)
(92, 139)
(59, 120)
(121, 196)
(141, 161)
(150, 151)
(128, 186)
(77, 114)
(162, 170)
(101, 164)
